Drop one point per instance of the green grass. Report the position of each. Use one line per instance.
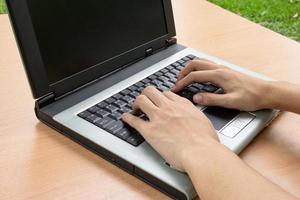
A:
(282, 16)
(3, 9)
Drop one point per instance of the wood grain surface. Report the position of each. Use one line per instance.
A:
(38, 163)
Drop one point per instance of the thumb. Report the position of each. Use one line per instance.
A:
(209, 99)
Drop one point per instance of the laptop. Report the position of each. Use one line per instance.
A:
(87, 61)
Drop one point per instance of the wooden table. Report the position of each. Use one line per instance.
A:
(38, 163)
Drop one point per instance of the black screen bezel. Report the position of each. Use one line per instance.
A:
(33, 62)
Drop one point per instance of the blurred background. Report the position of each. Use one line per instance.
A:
(282, 16)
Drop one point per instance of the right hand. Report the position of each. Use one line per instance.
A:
(241, 91)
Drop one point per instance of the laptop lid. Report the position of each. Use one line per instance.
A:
(66, 44)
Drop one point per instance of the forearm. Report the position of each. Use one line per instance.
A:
(220, 174)
(283, 96)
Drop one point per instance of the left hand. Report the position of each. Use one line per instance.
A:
(175, 127)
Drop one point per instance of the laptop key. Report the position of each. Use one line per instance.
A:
(120, 103)
(93, 118)
(118, 96)
(110, 100)
(128, 99)
(116, 115)
(125, 109)
(162, 88)
(139, 84)
(134, 94)
(133, 88)
(125, 92)
(111, 108)
(102, 104)
(93, 109)
(102, 113)
(84, 114)
(159, 74)
(152, 77)
(103, 123)
(164, 71)
(146, 80)
(115, 127)
(135, 139)
(210, 88)
(170, 67)
(123, 134)
(193, 89)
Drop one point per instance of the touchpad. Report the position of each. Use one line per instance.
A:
(220, 116)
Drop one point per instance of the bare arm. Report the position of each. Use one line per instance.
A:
(216, 172)
(222, 175)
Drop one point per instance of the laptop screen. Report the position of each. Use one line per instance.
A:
(76, 35)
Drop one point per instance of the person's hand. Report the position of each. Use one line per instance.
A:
(175, 125)
(241, 92)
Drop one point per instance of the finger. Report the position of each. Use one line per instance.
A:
(143, 103)
(135, 122)
(210, 99)
(155, 96)
(197, 65)
(173, 97)
(199, 76)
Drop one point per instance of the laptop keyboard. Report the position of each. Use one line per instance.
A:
(107, 114)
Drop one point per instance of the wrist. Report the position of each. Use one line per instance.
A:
(269, 95)
(200, 153)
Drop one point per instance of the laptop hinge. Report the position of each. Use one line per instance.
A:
(171, 41)
(45, 100)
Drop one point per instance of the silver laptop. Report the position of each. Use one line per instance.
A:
(86, 61)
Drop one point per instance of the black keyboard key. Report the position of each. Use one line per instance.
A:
(93, 109)
(133, 88)
(146, 80)
(193, 89)
(125, 92)
(169, 75)
(118, 96)
(116, 115)
(120, 103)
(163, 79)
(164, 71)
(186, 59)
(139, 84)
(84, 114)
(135, 139)
(192, 57)
(176, 64)
(175, 71)
(186, 94)
(103, 123)
(181, 61)
(123, 133)
(170, 67)
(102, 113)
(156, 83)
(173, 80)
(93, 118)
(210, 88)
(125, 109)
(115, 127)
(111, 108)
(199, 86)
(163, 88)
(169, 85)
(152, 77)
(158, 74)
(128, 99)
(134, 94)
(102, 104)
(110, 100)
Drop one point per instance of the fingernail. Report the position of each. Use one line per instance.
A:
(198, 98)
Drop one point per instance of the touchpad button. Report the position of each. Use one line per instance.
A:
(220, 116)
